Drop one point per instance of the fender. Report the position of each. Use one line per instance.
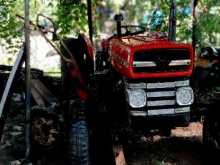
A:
(88, 45)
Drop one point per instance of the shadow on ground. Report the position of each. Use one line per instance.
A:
(184, 147)
(170, 151)
(179, 149)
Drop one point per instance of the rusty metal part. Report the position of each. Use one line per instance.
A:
(45, 131)
(8, 89)
(71, 61)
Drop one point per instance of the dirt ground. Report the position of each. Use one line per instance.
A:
(184, 147)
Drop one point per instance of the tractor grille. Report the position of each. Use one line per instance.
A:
(161, 99)
(161, 60)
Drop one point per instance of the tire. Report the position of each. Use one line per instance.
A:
(101, 141)
(79, 143)
(45, 136)
(211, 132)
(166, 132)
(206, 132)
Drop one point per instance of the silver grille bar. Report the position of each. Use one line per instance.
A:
(144, 64)
(161, 103)
(168, 84)
(153, 64)
(161, 85)
(180, 62)
(138, 113)
(136, 85)
(161, 94)
(168, 111)
(161, 112)
(182, 110)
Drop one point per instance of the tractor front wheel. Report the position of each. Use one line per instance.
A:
(211, 131)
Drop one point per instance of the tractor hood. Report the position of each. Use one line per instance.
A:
(150, 56)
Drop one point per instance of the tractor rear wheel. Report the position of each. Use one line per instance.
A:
(79, 143)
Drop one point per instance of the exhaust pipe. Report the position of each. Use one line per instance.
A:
(172, 22)
(118, 18)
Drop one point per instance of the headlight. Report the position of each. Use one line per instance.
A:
(137, 98)
(184, 96)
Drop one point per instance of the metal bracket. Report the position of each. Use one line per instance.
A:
(8, 89)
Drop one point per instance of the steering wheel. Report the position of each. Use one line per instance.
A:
(132, 29)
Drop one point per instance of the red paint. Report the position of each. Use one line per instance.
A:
(82, 93)
(75, 76)
(105, 44)
(89, 46)
(121, 54)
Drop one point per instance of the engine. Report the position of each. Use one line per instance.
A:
(156, 73)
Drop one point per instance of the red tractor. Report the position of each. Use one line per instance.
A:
(150, 77)
(142, 84)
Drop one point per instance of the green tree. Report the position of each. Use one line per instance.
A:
(71, 18)
(10, 25)
(208, 21)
